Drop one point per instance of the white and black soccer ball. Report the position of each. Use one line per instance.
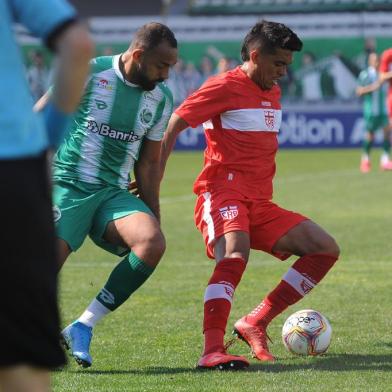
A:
(307, 332)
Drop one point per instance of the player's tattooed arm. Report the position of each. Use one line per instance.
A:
(147, 175)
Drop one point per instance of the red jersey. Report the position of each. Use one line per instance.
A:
(241, 122)
(386, 66)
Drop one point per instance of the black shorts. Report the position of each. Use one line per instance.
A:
(29, 317)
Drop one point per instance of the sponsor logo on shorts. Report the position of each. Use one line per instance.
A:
(229, 212)
(56, 213)
(105, 130)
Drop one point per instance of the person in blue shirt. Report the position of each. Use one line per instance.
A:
(28, 266)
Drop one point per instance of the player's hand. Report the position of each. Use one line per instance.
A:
(132, 187)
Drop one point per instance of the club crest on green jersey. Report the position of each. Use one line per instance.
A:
(145, 116)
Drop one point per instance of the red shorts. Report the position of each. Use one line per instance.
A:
(217, 213)
(389, 106)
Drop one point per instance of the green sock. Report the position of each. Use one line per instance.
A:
(366, 146)
(126, 278)
(386, 146)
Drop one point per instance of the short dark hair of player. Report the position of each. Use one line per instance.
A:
(151, 35)
(269, 36)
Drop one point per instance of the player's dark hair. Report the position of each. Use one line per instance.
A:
(269, 36)
(151, 35)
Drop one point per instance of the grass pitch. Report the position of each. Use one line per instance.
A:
(154, 340)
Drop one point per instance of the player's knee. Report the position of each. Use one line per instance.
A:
(152, 247)
(159, 245)
(329, 246)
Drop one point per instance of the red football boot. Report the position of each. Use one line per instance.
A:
(386, 166)
(255, 337)
(365, 166)
(222, 361)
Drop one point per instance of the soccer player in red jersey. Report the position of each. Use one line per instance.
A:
(386, 75)
(241, 115)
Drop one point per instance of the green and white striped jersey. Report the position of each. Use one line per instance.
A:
(374, 104)
(109, 127)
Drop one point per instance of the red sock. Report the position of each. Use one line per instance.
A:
(305, 273)
(217, 301)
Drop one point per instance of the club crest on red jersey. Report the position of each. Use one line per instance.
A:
(229, 212)
(269, 117)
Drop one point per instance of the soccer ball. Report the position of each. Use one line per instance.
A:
(307, 332)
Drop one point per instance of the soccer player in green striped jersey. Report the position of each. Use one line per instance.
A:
(374, 113)
(116, 132)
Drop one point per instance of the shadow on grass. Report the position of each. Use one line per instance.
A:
(333, 362)
(149, 370)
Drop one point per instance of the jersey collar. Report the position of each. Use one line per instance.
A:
(116, 66)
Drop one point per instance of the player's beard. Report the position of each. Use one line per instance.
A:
(143, 81)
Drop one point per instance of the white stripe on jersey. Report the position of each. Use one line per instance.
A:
(88, 167)
(298, 281)
(221, 290)
(257, 120)
(125, 169)
(91, 148)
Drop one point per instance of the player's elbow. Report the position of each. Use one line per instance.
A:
(77, 43)
(84, 47)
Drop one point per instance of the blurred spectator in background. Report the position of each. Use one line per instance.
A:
(287, 85)
(176, 82)
(310, 78)
(223, 65)
(374, 113)
(344, 74)
(206, 68)
(192, 78)
(332, 77)
(107, 51)
(37, 74)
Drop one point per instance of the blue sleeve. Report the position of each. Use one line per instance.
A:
(42, 17)
(57, 124)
